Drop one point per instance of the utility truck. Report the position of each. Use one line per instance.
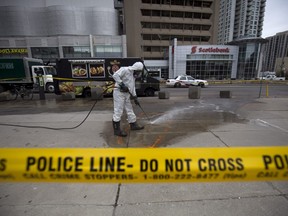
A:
(80, 75)
(16, 73)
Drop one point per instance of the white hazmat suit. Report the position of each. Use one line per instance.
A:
(124, 89)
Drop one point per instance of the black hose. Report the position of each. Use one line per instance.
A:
(51, 128)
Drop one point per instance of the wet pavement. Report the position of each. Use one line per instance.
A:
(165, 128)
(166, 121)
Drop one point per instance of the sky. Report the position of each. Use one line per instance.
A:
(275, 18)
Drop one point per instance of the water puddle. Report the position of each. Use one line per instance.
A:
(167, 128)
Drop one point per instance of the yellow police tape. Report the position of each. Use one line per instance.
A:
(144, 165)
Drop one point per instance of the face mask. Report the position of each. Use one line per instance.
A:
(137, 74)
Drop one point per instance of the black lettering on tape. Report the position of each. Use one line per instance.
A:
(239, 162)
(280, 161)
(177, 165)
(146, 165)
(30, 161)
(52, 164)
(231, 165)
(267, 174)
(267, 160)
(109, 176)
(201, 165)
(34, 176)
(3, 163)
(64, 176)
(220, 164)
(212, 164)
(108, 164)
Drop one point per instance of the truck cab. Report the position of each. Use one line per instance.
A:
(47, 72)
(146, 85)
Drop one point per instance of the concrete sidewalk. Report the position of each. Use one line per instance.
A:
(262, 122)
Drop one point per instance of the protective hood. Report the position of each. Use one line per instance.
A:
(137, 66)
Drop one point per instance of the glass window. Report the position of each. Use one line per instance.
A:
(76, 51)
(165, 26)
(146, 13)
(210, 69)
(146, 37)
(50, 70)
(165, 13)
(197, 15)
(155, 12)
(108, 51)
(146, 25)
(188, 15)
(196, 27)
(47, 54)
(205, 27)
(206, 16)
(155, 25)
(206, 4)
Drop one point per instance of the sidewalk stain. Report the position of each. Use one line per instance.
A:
(166, 128)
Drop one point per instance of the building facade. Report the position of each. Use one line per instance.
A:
(51, 29)
(211, 62)
(249, 58)
(276, 54)
(240, 18)
(151, 25)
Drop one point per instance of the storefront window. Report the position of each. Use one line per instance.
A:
(47, 54)
(108, 51)
(76, 51)
(211, 70)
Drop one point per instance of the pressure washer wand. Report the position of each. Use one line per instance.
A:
(140, 107)
(144, 112)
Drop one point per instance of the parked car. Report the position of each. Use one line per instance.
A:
(272, 77)
(184, 81)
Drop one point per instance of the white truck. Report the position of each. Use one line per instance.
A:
(22, 72)
(272, 77)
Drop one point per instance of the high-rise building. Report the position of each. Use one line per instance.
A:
(276, 54)
(151, 25)
(240, 19)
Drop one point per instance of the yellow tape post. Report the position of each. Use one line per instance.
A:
(143, 165)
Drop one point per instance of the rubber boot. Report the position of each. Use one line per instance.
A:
(117, 130)
(135, 126)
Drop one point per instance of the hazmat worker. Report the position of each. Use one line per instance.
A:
(124, 90)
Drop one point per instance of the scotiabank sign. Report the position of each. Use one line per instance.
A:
(195, 49)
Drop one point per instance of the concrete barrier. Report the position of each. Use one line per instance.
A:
(97, 93)
(5, 96)
(68, 96)
(225, 94)
(163, 95)
(194, 92)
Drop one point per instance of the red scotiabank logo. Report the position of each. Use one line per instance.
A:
(210, 50)
(214, 50)
(193, 49)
